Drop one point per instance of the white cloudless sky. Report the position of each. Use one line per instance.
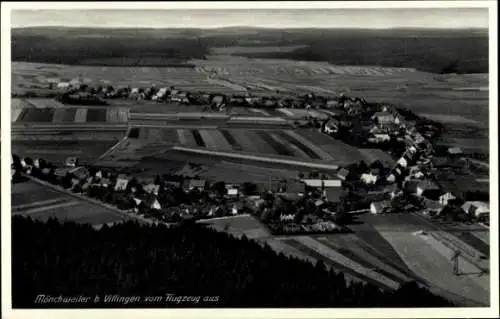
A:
(268, 18)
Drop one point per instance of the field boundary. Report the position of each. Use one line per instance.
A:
(88, 199)
(257, 158)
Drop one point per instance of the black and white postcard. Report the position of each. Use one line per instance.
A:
(249, 159)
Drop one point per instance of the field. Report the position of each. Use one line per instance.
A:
(38, 202)
(57, 151)
(51, 111)
(300, 144)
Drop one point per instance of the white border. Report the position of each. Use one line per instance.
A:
(491, 312)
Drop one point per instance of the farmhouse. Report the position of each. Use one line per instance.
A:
(385, 118)
(480, 210)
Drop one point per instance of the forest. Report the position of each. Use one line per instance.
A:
(436, 51)
(68, 259)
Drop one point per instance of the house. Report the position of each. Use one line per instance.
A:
(287, 217)
(180, 97)
(385, 118)
(331, 127)
(368, 178)
(445, 198)
(71, 161)
(428, 188)
(480, 210)
(218, 101)
(62, 85)
(322, 183)
(403, 161)
(195, 184)
(379, 138)
(80, 172)
(343, 174)
(379, 207)
(121, 183)
(152, 188)
(455, 151)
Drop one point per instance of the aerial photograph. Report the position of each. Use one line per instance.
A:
(263, 158)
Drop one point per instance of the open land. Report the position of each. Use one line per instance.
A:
(39, 202)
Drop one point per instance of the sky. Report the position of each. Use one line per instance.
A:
(265, 18)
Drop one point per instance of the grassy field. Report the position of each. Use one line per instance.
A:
(58, 150)
(427, 262)
(38, 202)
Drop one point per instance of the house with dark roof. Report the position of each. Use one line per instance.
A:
(384, 118)
(428, 188)
(191, 184)
(343, 174)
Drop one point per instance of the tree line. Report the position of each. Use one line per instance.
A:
(132, 259)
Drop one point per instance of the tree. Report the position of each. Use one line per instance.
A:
(220, 188)
(249, 188)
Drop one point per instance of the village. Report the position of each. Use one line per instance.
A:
(318, 202)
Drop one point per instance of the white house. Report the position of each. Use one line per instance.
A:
(378, 138)
(391, 178)
(480, 210)
(121, 184)
(443, 199)
(289, 217)
(62, 85)
(369, 178)
(152, 189)
(403, 162)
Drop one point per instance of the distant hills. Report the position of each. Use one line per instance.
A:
(431, 50)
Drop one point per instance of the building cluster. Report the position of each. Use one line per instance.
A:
(172, 198)
(80, 91)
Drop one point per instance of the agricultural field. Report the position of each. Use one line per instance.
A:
(51, 111)
(39, 202)
(57, 151)
(379, 241)
(253, 49)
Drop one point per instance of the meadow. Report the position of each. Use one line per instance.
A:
(41, 203)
